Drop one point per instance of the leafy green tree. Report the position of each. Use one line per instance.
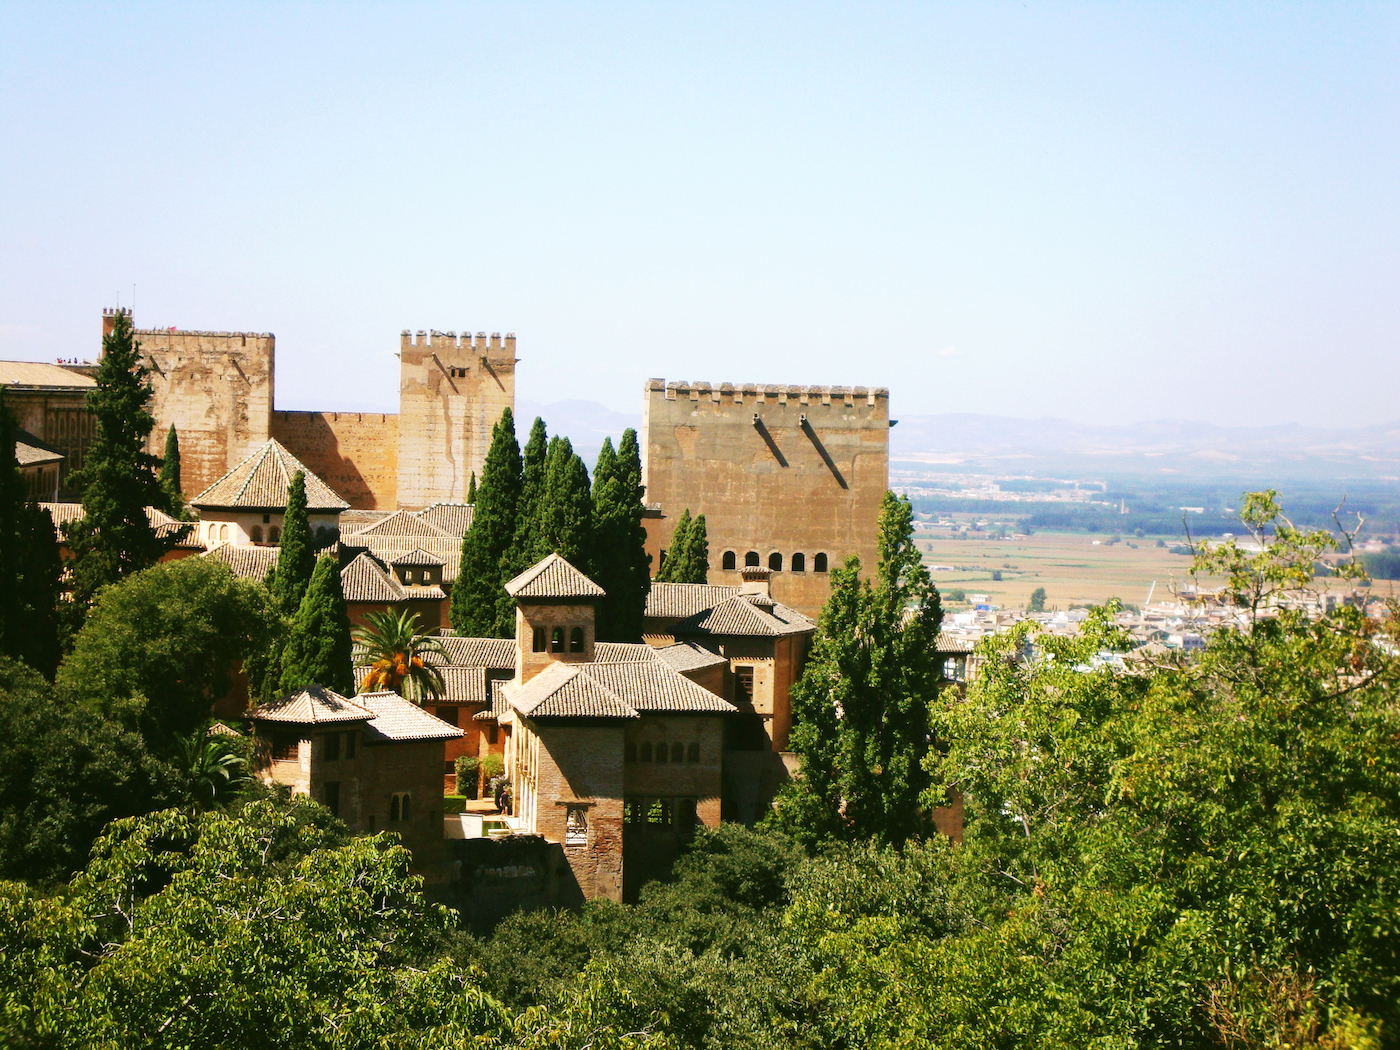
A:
(862, 710)
(318, 649)
(114, 538)
(620, 559)
(477, 594)
(1037, 603)
(296, 556)
(395, 650)
(174, 504)
(161, 647)
(64, 773)
(565, 522)
(217, 765)
(30, 566)
(676, 553)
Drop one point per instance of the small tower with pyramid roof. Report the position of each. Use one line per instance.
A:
(555, 616)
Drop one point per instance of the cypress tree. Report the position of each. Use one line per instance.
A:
(318, 648)
(471, 489)
(476, 596)
(525, 542)
(170, 476)
(30, 568)
(620, 559)
(565, 524)
(114, 538)
(695, 568)
(672, 566)
(297, 558)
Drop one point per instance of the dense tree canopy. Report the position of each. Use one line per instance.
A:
(620, 561)
(296, 554)
(318, 647)
(30, 565)
(688, 558)
(477, 607)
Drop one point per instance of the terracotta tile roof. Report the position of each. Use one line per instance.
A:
(679, 600)
(745, 614)
(495, 653)
(688, 656)
(354, 520)
(163, 523)
(40, 373)
(565, 691)
(622, 652)
(30, 451)
(251, 563)
(452, 518)
(364, 580)
(260, 483)
(498, 707)
(553, 577)
(464, 685)
(397, 720)
(313, 705)
(953, 643)
(166, 526)
(417, 556)
(400, 525)
(622, 689)
(63, 513)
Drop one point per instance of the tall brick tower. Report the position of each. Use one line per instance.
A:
(451, 393)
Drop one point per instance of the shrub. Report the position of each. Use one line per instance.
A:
(468, 766)
(493, 766)
(454, 804)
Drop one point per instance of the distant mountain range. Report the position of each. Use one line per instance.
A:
(966, 443)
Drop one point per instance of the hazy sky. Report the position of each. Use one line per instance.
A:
(1107, 212)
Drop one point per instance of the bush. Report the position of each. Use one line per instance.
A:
(996, 575)
(454, 803)
(468, 768)
(493, 766)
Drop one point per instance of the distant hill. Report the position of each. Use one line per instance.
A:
(584, 423)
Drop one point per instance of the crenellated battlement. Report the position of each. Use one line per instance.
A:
(448, 341)
(758, 394)
(195, 333)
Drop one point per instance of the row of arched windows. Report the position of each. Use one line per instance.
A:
(798, 563)
(662, 812)
(555, 643)
(661, 753)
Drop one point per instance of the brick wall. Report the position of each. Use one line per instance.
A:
(355, 453)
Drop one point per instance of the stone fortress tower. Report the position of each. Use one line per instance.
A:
(789, 478)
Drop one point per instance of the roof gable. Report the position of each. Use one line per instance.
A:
(565, 691)
(746, 615)
(364, 580)
(401, 525)
(313, 705)
(553, 577)
(397, 720)
(452, 518)
(261, 480)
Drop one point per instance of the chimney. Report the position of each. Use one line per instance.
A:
(756, 581)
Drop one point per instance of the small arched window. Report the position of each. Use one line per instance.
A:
(661, 752)
(799, 562)
(576, 640)
(274, 535)
(645, 756)
(678, 752)
(539, 640)
(751, 558)
(223, 533)
(556, 640)
(256, 534)
(403, 806)
(692, 753)
(775, 561)
(727, 561)
(819, 563)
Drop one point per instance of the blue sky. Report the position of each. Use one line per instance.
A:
(1107, 212)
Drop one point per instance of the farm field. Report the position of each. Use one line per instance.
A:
(1068, 565)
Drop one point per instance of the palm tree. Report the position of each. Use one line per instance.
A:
(394, 647)
(216, 767)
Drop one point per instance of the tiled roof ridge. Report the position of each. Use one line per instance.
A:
(571, 583)
(375, 528)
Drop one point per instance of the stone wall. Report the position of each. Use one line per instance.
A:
(217, 389)
(355, 453)
(451, 394)
(775, 470)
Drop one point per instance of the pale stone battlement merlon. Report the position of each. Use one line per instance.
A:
(450, 341)
(756, 395)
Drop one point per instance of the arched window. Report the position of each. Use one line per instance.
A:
(799, 562)
(677, 752)
(659, 813)
(727, 562)
(692, 753)
(775, 561)
(539, 640)
(751, 558)
(256, 534)
(556, 640)
(403, 806)
(645, 756)
(223, 533)
(661, 753)
(576, 640)
(819, 563)
(274, 536)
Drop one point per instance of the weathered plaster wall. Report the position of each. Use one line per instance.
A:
(355, 453)
(774, 469)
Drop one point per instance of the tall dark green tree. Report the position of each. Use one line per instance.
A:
(170, 476)
(675, 553)
(318, 648)
(296, 560)
(565, 524)
(620, 558)
(863, 708)
(114, 538)
(471, 489)
(524, 542)
(30, 568)
(476, 596)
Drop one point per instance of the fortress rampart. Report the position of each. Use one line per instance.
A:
(791, 476)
